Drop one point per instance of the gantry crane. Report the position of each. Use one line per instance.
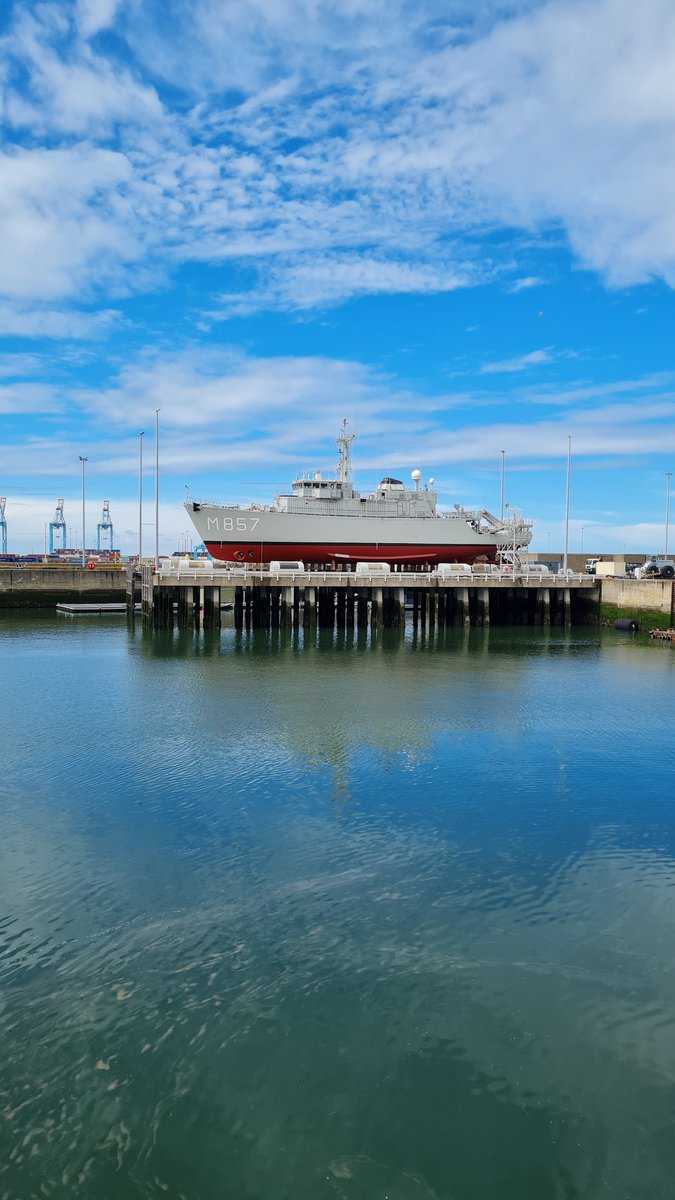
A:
(58, 523)
(3, 525)
(104, 527)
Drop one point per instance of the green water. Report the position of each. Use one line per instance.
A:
(347, 921)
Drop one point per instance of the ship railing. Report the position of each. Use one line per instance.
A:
(331, 508)
(233, 507)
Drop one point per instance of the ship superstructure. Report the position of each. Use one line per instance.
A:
(327, 521)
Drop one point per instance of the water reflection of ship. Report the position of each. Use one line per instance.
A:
(341, 695)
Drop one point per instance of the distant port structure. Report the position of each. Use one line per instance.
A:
(104, 528)
(57, 528)
(56, 538)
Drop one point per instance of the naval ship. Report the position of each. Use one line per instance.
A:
(325, 521)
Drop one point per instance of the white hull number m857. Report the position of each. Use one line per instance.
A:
(233, 524)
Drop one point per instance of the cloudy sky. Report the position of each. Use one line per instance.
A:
(452, 223)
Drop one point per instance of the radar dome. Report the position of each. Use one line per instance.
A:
(416, 475)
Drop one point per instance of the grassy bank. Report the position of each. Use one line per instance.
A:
(646, 617)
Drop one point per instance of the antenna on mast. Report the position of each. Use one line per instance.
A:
(344, 441)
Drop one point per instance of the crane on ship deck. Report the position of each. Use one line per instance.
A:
(57, 525)
(104, 527)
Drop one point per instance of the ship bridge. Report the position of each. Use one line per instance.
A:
(315, 487)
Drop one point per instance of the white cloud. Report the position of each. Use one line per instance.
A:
(71, 89)
(58, 222)
(521, 362)
(235, 396)
(17, 365)
(27, 398)
(521, 285)
(95, 15)
(370, 142)
(332, 279)
(41, 322)
(580, 392)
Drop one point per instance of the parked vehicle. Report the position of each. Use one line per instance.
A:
(659, 568)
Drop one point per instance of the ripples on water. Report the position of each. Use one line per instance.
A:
(344, 921)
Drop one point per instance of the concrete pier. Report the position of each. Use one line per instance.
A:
(340, 599)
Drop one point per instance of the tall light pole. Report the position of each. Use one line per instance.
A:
(567, 505)
(140, 497)
(83, 460)
(156, 489)
(669, 475)
(582, 538)
(501, 513)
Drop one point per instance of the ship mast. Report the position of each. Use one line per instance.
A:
(344, 441)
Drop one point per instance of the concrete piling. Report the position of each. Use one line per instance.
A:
(483, 597)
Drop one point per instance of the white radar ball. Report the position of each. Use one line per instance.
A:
(432, 482)
(416, 475)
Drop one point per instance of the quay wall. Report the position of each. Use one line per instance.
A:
(649, 601)
(45, 587)
(644, 600)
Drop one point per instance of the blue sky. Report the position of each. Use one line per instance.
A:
(451, 223)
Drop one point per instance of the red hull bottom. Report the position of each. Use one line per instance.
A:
(318, 552)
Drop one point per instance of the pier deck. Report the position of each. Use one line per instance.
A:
(193, 591)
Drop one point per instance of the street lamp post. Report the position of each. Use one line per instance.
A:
(669, 475)
(501, 512)
(83, 460)
(582, 538)
(140, 498)
(567, 504)
(156, 489)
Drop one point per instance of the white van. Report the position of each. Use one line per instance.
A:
(372, 568)
(452, 570)
(286, 567)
